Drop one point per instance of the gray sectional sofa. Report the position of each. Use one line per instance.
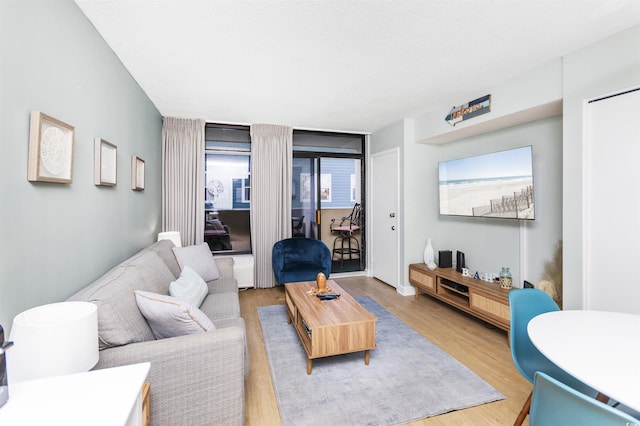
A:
(195, 379)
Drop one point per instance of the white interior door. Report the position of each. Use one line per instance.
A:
(612, 204)
(385, 205)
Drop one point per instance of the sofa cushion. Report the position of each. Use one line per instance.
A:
(223, 285)
(170, 317)
(163, 249)
(220, 306)
(200, 259)
(190, 287)
(225, 266)
(119, 320)
(153, 271)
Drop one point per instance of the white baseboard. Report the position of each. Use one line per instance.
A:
(406, 290)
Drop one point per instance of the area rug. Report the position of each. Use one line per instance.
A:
(408, 377)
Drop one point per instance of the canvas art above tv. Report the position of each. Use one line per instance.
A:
(498, 184)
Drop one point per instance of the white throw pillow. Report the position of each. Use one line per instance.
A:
(170, 317)
(200, 259)
(190, 287)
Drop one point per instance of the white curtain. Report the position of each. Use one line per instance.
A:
(271, 162)
(183, 178)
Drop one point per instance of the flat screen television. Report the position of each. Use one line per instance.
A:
(498, 184)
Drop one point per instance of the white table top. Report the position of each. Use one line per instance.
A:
(601, 349)
(98, 397)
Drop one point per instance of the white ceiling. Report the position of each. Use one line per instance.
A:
(339, 64)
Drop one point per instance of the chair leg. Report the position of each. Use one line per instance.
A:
(344, 238)
(339, 240)
(352, 250)
(345, 246)
(357, 251)
(524, 412)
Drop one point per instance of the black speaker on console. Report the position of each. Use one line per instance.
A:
(460, 261)
(444, 258)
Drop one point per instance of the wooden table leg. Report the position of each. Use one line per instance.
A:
(524, 412)
(288, 319)
(309, 366)
(366, 357)
(146, 411)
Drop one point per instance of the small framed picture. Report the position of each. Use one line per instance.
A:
(105, 163)
(50, 149)
(137, 173)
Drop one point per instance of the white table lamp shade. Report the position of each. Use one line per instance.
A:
(53, 340)
(171, 235)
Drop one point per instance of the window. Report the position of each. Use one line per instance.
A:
(246, 188)
(228, 190)
(328, 177)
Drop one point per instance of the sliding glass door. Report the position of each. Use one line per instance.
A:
(305, 209)
(325, 191)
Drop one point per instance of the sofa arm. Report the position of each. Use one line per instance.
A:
(225, 266)
(195, 380)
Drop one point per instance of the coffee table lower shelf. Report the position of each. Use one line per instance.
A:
(329, 327)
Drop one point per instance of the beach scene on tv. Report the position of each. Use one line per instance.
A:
(498, 184)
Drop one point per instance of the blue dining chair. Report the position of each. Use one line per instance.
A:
(554, 403)
(524, 305)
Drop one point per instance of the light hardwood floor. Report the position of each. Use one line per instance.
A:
(483, 349)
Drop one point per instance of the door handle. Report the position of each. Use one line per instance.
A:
(392, 215)
(393, 228)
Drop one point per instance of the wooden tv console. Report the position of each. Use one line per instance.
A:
(481, 299)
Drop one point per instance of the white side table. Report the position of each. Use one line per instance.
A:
(111, 396)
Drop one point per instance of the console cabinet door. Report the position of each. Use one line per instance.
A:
(487, 305)
(422, 280)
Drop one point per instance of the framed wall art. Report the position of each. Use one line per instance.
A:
(137, 173)
(105, 163)
(50, 149)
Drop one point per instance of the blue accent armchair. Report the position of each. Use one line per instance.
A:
(300, 259)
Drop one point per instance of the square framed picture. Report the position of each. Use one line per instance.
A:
(50, 149)
(137, 173)
(105, 163)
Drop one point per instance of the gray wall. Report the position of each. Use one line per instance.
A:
(603, 68)
(393, 136)
(59, 237)
(488, 244)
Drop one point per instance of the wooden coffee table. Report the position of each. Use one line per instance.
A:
(329, 327)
